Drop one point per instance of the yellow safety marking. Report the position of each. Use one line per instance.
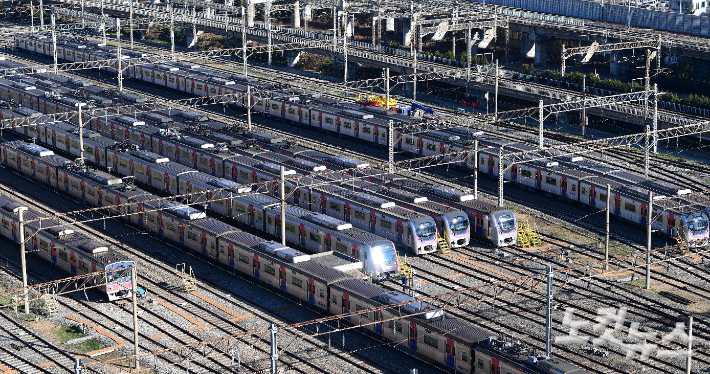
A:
(198, 324)
(6, 370)
(119, 342)
(237, 316)
(486, 268)
(284, 308)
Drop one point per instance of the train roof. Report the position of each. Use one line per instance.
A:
(35, 149)
(261, 199)
(184, 211)
(325, 267)
(665, 188)
(100, 177)
(396, 297)
(360, 288)
(455, 328)
(149, 157)
(213, 226)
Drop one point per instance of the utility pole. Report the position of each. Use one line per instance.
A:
(646, 148)
(81, 134)
(282, 192)
(496, 98)
(390, 146)
(41, 14)
(689, 359)
(649, 223)
(540, 130)
(134, 277)
(119, 63)
(468, 60)
(20, 210)
(345, 45)
(54, 42)
(584, 107)
(130, 21)
(606, 242)
(32, 15)
(249, 108)
(244, 42)
(274, 349)
(267, 15)
(387, 87)
(172, 34)
(103, 17)
(654, 123)
(500, 176)
(475, 169)
(548, 324)
(83, 24)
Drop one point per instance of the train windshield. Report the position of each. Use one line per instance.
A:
(118, 276)
(385, 257)
(697, 223)
(459, 224)
(506, 221)
(425, 230)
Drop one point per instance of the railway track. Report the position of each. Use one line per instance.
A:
(161, 279)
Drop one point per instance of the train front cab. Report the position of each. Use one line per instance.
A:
(118, 280)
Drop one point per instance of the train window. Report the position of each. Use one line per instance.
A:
(341, 248)
(630, 207)
(602, 196)
(321, 293)
(526, 173)
(386, 225)
(192, 236)
(211, 244)
(335, 300)
(287, 190)
(334, 206)
(584, 190)
(431, 146)
(63, 255)
(291, 229)
(221, 248)
(409, 141)
(551, 180)
(170, 226)
(269, 270)
(314, 238)
(91, 192)
(359, 308)
(329, 120)
(360, 215)
(396, 326)
(43, 245)
(464, 356)
(291, 111)
(296, 282)
(347, 125)
(274, 106)
(244, 258)
(239, 208)
(480, 364)
(366, 130)
(5, 224)
(431, 341)
(574, 188)
(243, 175)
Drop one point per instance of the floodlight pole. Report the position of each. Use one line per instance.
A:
(606, 241)
(649, 223)
(119, 64)
(134, 277)
(282, 192)
(21, 237)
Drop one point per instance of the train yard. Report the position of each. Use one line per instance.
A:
(441, 307)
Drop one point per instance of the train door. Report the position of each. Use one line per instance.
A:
(563, 187)
(160, 147)
(538, 179)
(320, 120)
(4, 155)
(14, 232)
(234, 173)
(166, 182)
(203, 243)
(66, 182)
(399, 141)
(131, 167)
(356, 252)
(213, 167)
(160, 224)
(311, 291)
(254, 179)
(73, 263)
(181, 233)
(413, 336)
(19, 163)
(231, 255)
(328, 242)
(277, 225)
(54, 138)
(140, 215)
(592, 196)
(300, 116)
(113, 131)
(255, 266)
(644, 214)
(378, 322)
(282, 277)
(479, 224)
(373, 222)
(32, 164)
(491, 164)
(450, 353)
(323, 201)
(251, 215)
(400, 231)
(442, 150)
(230, 208)
(49, 176)
(283, 110)
(357, 129)
(54, 253)
(495, 366)
(420, 146)
(101, 197)
(346, 305)
(617, 204)
(149, 175)
(192, 87)
(337, 125)
(83, 190)
(514, 173)
(118, 204)
(671, 225)
(302, 235)
(346, 212)
(376, 134)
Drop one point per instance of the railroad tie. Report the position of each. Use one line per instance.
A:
(237, 316)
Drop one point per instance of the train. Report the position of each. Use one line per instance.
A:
(67, 249)
(329, 281)
(683, 218)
